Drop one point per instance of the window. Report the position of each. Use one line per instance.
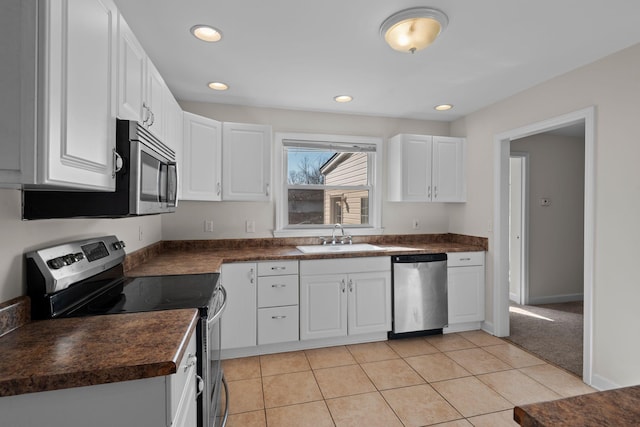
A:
(327, 179)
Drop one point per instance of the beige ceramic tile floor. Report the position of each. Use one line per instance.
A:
(465, 379)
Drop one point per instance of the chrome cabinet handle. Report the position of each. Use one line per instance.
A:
(153, 118)
(117, 163)
(350, 285)
(465, 259)
(252, 276)
(145, 113)
(200, 385)
(267, 189)
(191, 361)
(278, 268)
(278, 317)
(429, 192)
(435, 192)
(342, 285)
(218, 188)
(279, 285)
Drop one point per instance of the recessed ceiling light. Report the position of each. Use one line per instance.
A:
(443, 107)
(218, 86)
(206, 33)
(343, 98)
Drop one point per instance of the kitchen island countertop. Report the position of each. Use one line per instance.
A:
(56, 354)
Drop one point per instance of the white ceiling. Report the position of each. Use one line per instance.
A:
(299, 54)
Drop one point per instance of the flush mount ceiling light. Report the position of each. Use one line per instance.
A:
(218, 86)
(413, 29)
(206, 33)
(343, 98)
(443, 107)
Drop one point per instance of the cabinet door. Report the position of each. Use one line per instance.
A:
(323, 306)
(369, 302)
(238, 322)
(448, 169)
(78, 135)
(201, 175)
(154, 120)
(131, 73)
(409, 173)
(246, 151)
(466, 294)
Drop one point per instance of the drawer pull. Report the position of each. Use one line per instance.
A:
(278, 268)
(278, 317)
(465, 259)
(279, 285)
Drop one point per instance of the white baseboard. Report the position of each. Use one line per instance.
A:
(461, 327)
(601, 383)
(233, 353)
(554, 299)
(487, 326)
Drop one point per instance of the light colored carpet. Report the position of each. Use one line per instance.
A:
(551, 331)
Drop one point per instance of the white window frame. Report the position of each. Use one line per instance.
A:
(280, 191)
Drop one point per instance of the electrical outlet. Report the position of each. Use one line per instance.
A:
(415, 224)
(208, 226)
(250, 226)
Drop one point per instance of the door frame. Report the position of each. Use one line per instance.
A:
(524, 235)
(502, 144)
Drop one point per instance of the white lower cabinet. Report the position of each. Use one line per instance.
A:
(152, 402)
(239, 328)
(277, 302)
(354, 299)
(465, 272)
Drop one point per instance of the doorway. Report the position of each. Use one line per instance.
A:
(501, 213)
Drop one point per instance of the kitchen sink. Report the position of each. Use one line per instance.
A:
(326, 249)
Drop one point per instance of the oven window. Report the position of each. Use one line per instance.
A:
(150, 178)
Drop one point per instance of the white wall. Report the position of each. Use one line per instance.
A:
(229, 217)
(556, 232)
(20, 236)
(612, 85)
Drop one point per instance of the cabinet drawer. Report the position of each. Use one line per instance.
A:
(277, 290)
(176, 382)
(276, 268)
(464, 259)
(277, 324)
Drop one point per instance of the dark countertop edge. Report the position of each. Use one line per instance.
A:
(88, 377)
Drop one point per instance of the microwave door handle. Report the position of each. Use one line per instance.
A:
(161, 191)
(172, 184)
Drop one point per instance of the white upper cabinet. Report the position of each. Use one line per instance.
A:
(131, 73)
(142, 92)
(246, 164)
(73, 70)
(201, 172)
(423, 168)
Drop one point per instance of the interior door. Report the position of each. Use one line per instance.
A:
(515, 228)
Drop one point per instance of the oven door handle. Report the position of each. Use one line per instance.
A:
(200, 385)
(226, 400)
(216, 316)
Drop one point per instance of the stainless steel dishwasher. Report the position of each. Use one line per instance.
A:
(419, 294)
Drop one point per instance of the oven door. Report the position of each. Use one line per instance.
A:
(214, 377)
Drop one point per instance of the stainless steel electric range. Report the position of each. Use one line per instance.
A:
(86, 278)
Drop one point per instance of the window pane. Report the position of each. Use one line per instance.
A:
(308, 207)
(317, 166)
(303, 165)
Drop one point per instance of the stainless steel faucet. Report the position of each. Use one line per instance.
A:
(333, 234)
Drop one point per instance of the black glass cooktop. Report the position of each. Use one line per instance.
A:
(153, 293)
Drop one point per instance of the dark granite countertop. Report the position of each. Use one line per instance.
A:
(619, 407)
(207, 256)
(63, 353)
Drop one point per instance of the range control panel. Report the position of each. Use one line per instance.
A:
(68, 263)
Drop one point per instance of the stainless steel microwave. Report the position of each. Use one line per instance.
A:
(147, 183)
